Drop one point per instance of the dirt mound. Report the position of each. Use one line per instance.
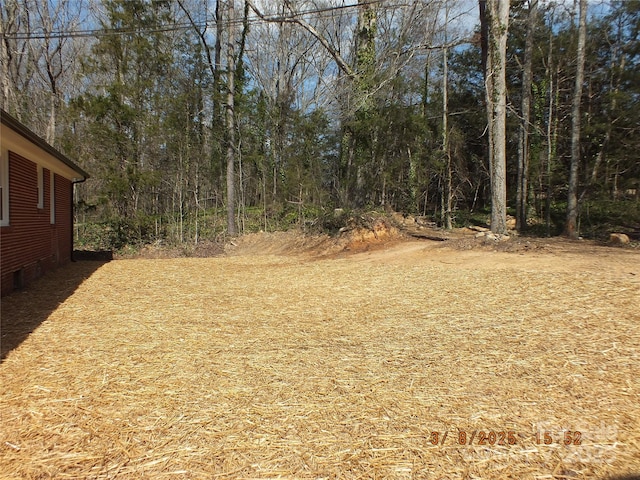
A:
(280, 243)
(355, 237)
(367, 233)
(467, 239)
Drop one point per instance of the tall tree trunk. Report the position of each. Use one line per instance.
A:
(363, 104)
(217, 59)
(445, 126)
(282, 103)
(51, 123)
(523, 144)
(445, 140)
(365, 53)
(230, 120)
(572, 201)
(497, 19)
(552, 130)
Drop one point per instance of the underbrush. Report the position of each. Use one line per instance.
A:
(598, 218)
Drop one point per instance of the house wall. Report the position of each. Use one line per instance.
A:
(31, 244)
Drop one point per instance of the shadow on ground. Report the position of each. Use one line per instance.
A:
(24, 310)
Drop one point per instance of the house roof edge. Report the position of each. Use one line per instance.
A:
(24, 131)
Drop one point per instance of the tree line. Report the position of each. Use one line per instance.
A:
(204, 118)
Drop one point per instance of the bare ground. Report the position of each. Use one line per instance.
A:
(296, 357)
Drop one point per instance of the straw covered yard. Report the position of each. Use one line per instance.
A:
(409, 361)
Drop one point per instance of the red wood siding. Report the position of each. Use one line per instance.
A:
(31, 245)
(63, 191)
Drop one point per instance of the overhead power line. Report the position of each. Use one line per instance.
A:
(175, 27)
(98, 32)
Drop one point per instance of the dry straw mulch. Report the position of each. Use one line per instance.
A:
(271, 366)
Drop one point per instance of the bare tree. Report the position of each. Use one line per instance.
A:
(447, 205)
(230, 119)
(38, 63)
(525, 120)
(8, 26)
(571, 229)
(16, 67)
(225, 15)
(495, 16)
(58, 53)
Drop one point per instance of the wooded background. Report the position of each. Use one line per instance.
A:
(205, 118)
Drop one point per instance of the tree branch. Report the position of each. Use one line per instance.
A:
(342, 64)
(201, 36)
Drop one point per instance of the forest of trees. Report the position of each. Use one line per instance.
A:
(201, 118)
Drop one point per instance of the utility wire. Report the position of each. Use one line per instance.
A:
(176, 27)
(100, 32)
